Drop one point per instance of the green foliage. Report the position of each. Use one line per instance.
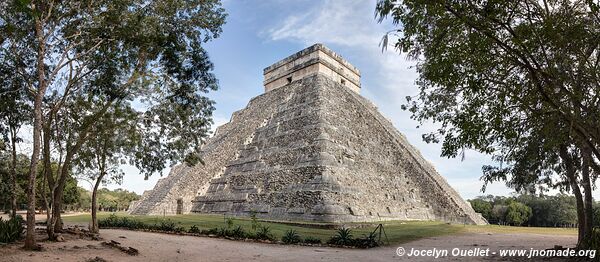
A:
(115, 200)
(312, 240)
(166, 225)
(114, 221)
(102, 57)
(481, 206)
(488, 76)
(238, 232)
(229, 222)
(194, 230)
(291, 237)
(254, 219)
(397, 231)
(517, 213)
(71, 194)
(11, 230)
(264, 233)
(367, 241)
(223, 232)
(212, 231)
(179, 229)
(546, 211)
(593, 242)
(343, 237)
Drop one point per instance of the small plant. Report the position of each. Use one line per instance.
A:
(290, 237)
(167, 225)
(237, 232)
(229, 222)
(312, 240)
(194, 230)
(212, 231)
(343, 237)
(264, 233)
(254, 220)
(121, 222)
(368, 241)
(179, 229)
(11, 230)
(222, 232)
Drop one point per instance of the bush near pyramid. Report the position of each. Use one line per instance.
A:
(310, 148)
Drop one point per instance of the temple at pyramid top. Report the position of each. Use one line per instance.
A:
(316, 59)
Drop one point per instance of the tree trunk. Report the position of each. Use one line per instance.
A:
(94, 227)
(30, 235)
(572, 178)
(56, 211)
(48, 177)
(46, 204)
(13, 174)
(57, 195)
(587, 187)
(37, 127)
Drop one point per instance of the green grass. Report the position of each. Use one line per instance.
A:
(397, 231)
(521, 230)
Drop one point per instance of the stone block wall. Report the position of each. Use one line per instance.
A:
(311, 149)
(316, 59)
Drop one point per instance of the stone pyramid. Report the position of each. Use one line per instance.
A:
(310, 148)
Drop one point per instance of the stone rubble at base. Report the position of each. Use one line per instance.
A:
(312, 149)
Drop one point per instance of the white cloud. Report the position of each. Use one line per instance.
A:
(334, 22)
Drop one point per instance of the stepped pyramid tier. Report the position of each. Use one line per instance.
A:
(311, 148)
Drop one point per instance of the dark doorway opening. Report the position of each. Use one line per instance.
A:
(179, 206)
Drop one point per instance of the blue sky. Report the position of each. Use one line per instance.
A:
(259, 33)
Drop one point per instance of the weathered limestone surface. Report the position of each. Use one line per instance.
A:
(316, 59)
(314, 150)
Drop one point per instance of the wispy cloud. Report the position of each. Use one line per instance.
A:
(336, 22)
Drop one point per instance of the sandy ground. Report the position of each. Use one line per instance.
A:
(38, 216)
(165, 247)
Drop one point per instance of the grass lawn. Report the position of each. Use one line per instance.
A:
(397, 231)
(521, 230)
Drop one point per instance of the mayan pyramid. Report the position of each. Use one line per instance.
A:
(310, 148)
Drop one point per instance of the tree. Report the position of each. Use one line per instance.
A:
(515, 79)
(13, 114)
(115, 136)
(92, 55)
(481, 206)
(517, 213)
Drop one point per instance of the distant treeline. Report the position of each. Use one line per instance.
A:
(530, 210)
(75, 198)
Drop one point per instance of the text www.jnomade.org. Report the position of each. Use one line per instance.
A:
(486, 252)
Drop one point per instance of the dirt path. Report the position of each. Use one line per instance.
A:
(164, 247)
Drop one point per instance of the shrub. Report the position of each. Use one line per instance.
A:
(343, 237)
(264, 233)
(312, 240)
(593, 242)
(290, 237)
(237, 232)
(167, 225)
(179, 229)
(255, 224)
(368, 241)
(11, 230)
(194, 230)
(222, 232)
(122, 222)
(212, 231)
(229, 222)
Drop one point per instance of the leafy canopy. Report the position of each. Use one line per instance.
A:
(511, 78)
